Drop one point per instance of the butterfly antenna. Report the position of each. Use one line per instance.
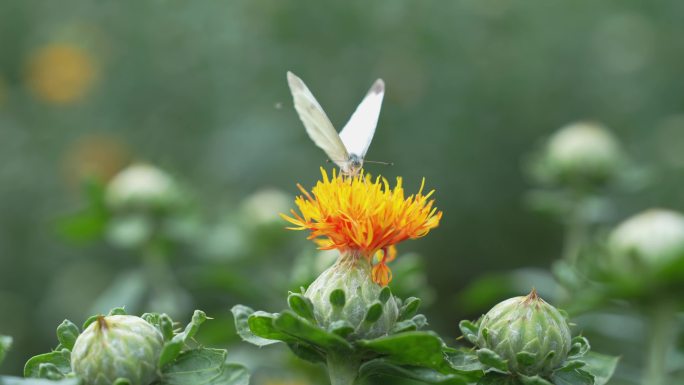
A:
(379, 162)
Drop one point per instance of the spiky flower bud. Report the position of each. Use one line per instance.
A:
(141, 186)
(530, 334)
(347, 301)
(582, 153)
(648, 240)
(117, 346)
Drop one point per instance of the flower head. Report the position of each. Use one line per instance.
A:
(363, 216)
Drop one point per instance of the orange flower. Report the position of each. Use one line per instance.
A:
(363, 216)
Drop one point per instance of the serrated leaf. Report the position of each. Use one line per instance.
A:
(60, 359)
(601, 366)
(204, 367)
(7, 380)
(173, 348)
(490, 358)
(409, 308)
(381, 366)
(67, 332)
(411, 348)
(572, 377)
(295, 326)
(5, 345)
(301, 305)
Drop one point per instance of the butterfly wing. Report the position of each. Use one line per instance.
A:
(317, 124)
(358, 132)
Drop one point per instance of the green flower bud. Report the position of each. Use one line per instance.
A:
(648, 240)
(345, 294)
(582, 153)
(141, 186)
(117, 346)
(530, 334)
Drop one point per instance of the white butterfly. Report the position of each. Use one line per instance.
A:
(348, 148)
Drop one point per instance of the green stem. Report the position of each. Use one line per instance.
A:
(662, 325)
(343, 369)
(575, 235)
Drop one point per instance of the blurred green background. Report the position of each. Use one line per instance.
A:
(199, 89)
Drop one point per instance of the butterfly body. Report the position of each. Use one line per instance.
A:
(348, 148)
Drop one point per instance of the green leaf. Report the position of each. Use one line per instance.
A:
(411, 348)
(533, 380)
(205, 367)
(572, 365)
(117, 311)
(242, 314)
(490, 358)
(579, 347)
(601, 366)
(381, 366)
(301, 305)
(526, 358)
(469, 330)
(572, 377)
(60, 359)
(262, 325)
(162, 322)
(49, 371)
(495, 378)
(90, 320)
(409, 308)
(67, 332)
(342, 328)
(5, 380)
(173, 348)
(295, 326)
(307, 352)
(385, 294)
(5, 345)
(122, 381)
(465, 362)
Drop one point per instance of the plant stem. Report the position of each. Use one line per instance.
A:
(575, 234)
(662, 325)
(343, 369)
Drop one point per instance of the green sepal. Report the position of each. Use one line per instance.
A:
(491, 359)
(301, 305)
(307, 352)
(374, 312)
(411, 348)
(117, 311)
(5, 345)
(60, 359)
(173, 348)
(67, 332)
(49, 371)
(526, 358)
(579, 347)
(295, 326)
(409, 308)
(385, 294)
(469, 331)
(572, 377)
(572, 365)
(204, 366)
(241, 315)
(162, 322)
(342, 328)
(601, 366)
(90, 320)
(381, 366)
(338, 298)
